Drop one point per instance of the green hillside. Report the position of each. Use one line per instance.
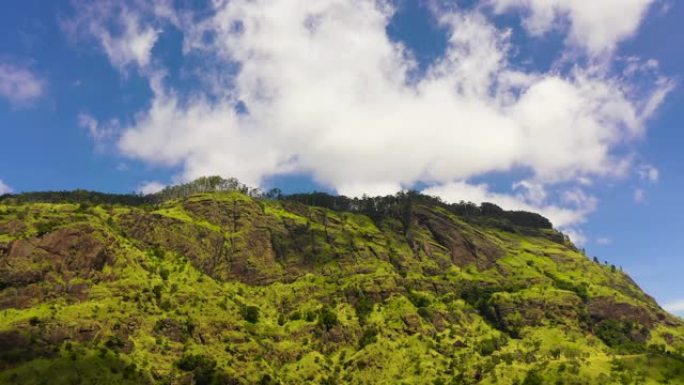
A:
(224, 287)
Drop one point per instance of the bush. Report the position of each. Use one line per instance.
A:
(418, 300)
(157, 291)
(364, 307)
(83, 207)
(158, 253)
(425, 313)
(43, 228)
(327, 318)
(487, 347)
(618, 335)
(581, 289)
(250, 313)
(202, 367)
(368, 337)
(114, 342)
(310, 316)
(533, 378)
(266, 379)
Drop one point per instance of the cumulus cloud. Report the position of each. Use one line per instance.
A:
(19, 85)
(331, 92)
(120, 29)
(99, 133)
(577, 236)
(150, 187)
(320, 88)
(598, 26)
(4, 189)
(648, 173)
(579, 205)
(675, 307)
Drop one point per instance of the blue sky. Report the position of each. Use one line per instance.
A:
(556, 107)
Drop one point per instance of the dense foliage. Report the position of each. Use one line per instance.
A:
(374, 207)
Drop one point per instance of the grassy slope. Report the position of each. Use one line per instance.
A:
(221, 288)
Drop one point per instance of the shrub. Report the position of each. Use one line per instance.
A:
(250, 313)
(368, 337)
(202, 367)
(157, 291)
(425, 313)
(266, 379)
(618, 335)
(363, 307)
(158, 253)
(83, 207)
(418, 300)
(327, 318)
(43, 228)
(310, 316)
(533, 378)
(114, 342)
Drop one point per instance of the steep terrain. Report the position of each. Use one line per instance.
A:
(225, 288)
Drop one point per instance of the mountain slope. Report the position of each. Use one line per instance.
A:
(226, 288)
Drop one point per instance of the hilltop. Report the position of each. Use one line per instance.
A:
(215, 283)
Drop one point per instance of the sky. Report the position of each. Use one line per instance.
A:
(568, 108)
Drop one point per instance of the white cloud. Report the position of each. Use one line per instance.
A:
(330, 97)
(150, 187)
(100, 133)
(119, 28)
(576, 236)
(597, 25)
(675, 307)
(563, 217)
(19, 85)
(534, 192)
(134, 46)
(328, 93)
(4, 189)
(648, 173)
(603, 241)
(639, 195)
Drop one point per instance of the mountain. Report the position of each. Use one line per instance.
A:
(214, 283)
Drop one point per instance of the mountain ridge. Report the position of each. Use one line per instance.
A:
(231, 286)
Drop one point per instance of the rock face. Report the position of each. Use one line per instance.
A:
(240, 241)
(57, 258)
(223, 288)
(462, 246)
(79, 251)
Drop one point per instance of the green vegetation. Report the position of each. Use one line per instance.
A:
(215, 283)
